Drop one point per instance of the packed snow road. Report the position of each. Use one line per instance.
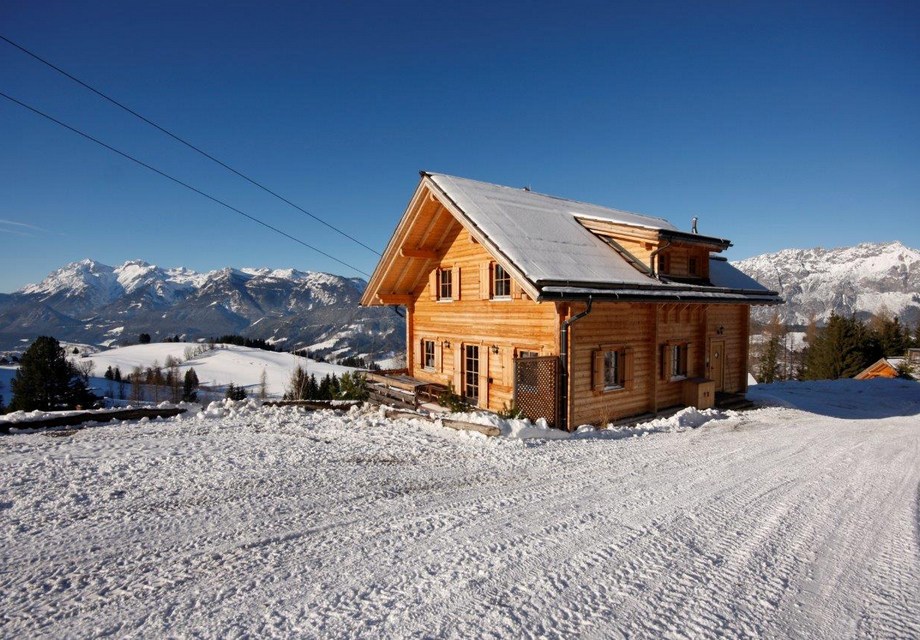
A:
(777, 522)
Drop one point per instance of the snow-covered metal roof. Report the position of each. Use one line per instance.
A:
(541, 235)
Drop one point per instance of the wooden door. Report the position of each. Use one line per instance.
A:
(717, 363)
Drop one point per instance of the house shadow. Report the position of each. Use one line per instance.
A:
(846, 399)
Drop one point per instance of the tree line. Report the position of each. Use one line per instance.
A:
(841, 349)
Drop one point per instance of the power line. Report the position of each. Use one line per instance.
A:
(180, 182)
(186, 143)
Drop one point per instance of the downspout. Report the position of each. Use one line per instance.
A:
(653, 255)
(564, 360)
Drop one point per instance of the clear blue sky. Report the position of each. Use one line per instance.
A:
(779, 124)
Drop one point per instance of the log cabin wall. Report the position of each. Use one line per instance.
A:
(616, 326)
(729, 322)
(683, 325)
(513, 324)
(645, 332)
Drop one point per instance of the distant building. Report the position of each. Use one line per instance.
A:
(889, 367)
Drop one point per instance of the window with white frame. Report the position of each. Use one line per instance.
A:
(445, 285)
(428, 354)
(501, 282)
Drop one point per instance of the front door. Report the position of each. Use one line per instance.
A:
(717, 363)
(471, 374)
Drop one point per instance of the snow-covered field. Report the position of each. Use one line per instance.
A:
(217, 368)
(799, 519)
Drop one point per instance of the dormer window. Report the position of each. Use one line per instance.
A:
(664, 263)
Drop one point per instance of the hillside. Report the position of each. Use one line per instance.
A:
(93, 303)
(861, 279)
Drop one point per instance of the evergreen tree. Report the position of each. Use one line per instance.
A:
(144, 338)
(841, 350)
(109, 374)
(235, 392)
(46, 380)
(190, 386)
(352, 386)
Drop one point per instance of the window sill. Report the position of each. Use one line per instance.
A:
(606, 390)
(500, 298)
(445, 300)
(677, 378)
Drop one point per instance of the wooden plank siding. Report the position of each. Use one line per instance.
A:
(732, 320)
(614, 324)
(510, 325)
(645, 329)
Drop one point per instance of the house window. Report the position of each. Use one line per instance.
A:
(445, 285)
(611, 368)
(674, 360)
(428, 354)
(664, 263)
(471, 374)
(501, 282)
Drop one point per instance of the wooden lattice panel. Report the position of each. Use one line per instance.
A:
(536, 388)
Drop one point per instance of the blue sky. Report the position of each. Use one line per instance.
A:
(778, 124)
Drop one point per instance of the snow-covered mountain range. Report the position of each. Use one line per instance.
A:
(94, 303)
(861, 279)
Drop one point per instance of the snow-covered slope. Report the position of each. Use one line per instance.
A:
(219, 367)
(93, 303)
(860, 279)
(279, 523)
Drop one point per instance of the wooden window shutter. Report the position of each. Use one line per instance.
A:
(664, 361)
(418, 359)
(516, 290)
(628, 375)
(433, 284)
(438, 355)
(485, 277)
(455, 284)
(484, 376)
(458, 368)
(597, 379)
(508, 365)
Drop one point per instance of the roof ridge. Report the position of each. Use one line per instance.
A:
(546, 195)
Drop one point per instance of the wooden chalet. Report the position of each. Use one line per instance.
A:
(569, 311)
(890, 367)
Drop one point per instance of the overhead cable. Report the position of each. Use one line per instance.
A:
(186, 143)
(180, 182)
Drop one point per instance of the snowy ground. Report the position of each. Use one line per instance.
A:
(795, 520)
